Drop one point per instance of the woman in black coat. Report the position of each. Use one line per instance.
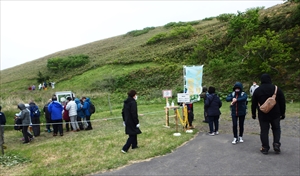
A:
(131, 121)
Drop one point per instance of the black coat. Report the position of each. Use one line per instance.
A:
(262, 93)
(213, 104)
(130, 116)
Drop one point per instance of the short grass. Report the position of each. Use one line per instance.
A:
(98, 150)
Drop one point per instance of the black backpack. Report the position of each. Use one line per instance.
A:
(92, 108)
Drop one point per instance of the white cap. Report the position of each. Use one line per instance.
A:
(62, 99)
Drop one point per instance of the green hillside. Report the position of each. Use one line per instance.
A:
(232, 47)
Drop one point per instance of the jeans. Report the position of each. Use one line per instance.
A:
(131, 141)
(241, 120)
(264, 132)
(213, 121)
(88, 118)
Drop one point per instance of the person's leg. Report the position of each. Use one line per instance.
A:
(134, 142)
(216, 122)
(67, 125)
(25, 134)
(60, 127)
(1, 135)
(128, 143)
(76, 123)
(210, 124)
(88, 119)
(55, 128)
(72, 118)
(205, 116)
(241, 125)
(276, 134)
(234, 126)
(48, 125)
(264, 133)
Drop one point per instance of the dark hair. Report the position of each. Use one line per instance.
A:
(131, 93)
(204, 89)
(69, 98)
(211, 90)
(54, 98)
(0, 108)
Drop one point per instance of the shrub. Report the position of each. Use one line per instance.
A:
(135, 33)
(57, 64)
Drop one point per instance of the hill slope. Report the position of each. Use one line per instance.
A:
(123, 62)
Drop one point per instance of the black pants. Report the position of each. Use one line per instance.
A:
(205, 115)
(36, 126)
(88, 119)
(131, 141)
(68, 125)
(190, 117)
(264, 131)
(48, 125)
(235, 120)
(213, 122)
(26, 135)
(57, 126)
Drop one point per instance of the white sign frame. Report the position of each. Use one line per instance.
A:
(167, 93)
(183, 98)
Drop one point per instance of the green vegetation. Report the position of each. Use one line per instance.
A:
(64, 64)
(135, 33)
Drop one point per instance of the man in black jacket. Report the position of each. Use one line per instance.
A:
(273, 117)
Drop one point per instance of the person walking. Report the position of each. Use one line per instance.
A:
(72, 108)
(213, 105)
(56, 109)
(2, 124)
(252, 88)
(24, 115)
(273, 117)
(131, 121)
(238, 107)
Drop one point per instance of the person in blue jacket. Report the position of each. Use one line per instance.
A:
(238, 107)
(213, 105)
(81, 114)
(86, 110)
(55, 109)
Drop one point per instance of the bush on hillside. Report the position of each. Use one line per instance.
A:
(66, 63)
(135, 33)
(225, 17)
(208, 19)
(174, 24)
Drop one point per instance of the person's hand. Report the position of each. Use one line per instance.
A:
(253, 117)
(138, 125)
(141, 114)
(124, 123)
(282, 117)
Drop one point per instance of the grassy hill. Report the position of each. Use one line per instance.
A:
(129, 61)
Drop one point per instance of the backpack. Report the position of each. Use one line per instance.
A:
(18, 124)
(34, 111)
(92, 108)
(269, 103)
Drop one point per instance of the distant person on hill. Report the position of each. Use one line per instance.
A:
(33, 87)
(213, 105)
(72, 108)
(47, 116)
(273, 117)
(252, 88)
(53, 85)
(86, 110)
(203, 95)
(2, 124)
(238, 107)
(56, 109)
(131, 121)
(40, 86)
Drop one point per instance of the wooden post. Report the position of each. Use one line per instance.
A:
(176, 119)
(167, 116)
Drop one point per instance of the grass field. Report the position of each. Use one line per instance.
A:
(99, 150)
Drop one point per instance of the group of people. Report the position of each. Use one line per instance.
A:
(74, 112)
(238, 106)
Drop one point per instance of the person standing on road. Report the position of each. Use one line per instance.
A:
(131, 121)
(203, 95)
(252, 88)
(238, 107)
(213, 105)
(273, 117)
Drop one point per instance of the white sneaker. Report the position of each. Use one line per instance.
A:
(234, 141)
(123, 151)
(216, 132)
(241, 139)
(211, 133)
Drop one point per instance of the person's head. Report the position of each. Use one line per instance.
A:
(62, 99)
(211, 90)
(83, 99)
(238, 87)
(204, 89)
(69, 98)
(54, 98)
(265, 79)
(254, 83)
(132, 93)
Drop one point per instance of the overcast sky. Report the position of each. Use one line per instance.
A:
(33, 29)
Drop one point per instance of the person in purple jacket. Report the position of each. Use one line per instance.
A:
(56, 109)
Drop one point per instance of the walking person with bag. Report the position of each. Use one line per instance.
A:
(86, 110)
(213, 105)
(273, 117)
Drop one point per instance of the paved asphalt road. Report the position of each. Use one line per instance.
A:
(215, 155)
